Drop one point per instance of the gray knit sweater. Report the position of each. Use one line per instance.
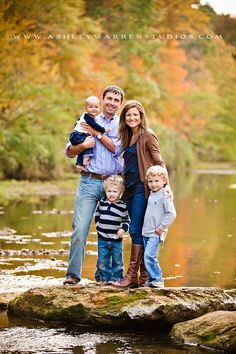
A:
(160, 213)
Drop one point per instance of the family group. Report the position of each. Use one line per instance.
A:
(124, 183)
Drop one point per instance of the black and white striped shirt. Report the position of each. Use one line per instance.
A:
(110, 217)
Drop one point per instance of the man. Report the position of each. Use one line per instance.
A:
(103, 163)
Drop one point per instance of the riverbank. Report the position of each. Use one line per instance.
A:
(33, 191)
(13, 190)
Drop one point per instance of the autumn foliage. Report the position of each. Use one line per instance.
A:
(167, 54)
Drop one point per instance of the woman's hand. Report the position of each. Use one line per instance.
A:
(168, 192)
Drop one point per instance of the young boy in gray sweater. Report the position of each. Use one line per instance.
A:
(160, 214)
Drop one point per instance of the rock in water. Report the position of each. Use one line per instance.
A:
(216, 330)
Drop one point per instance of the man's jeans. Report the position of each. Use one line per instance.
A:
(89, 193)
(151, 249)
(136, 204)
(110, 260)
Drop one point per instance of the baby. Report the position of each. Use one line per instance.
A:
(78, 135)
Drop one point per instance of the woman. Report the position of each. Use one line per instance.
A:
(141, 150)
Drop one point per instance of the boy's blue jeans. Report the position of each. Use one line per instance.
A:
(110, 260)
(151, 249)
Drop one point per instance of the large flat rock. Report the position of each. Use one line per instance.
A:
(103, 306)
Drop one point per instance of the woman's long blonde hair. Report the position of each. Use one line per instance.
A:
(125, 132)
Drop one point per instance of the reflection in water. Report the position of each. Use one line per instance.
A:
(33, 337)
(57, 340)
(199, 250)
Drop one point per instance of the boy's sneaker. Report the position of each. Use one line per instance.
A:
(70, 280)
(101, 283)
(113, 282)
(156, 284)
(146, 284)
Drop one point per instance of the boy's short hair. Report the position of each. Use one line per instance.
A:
(157, 170)
(115, 180)
(91, 98)
(114, 89)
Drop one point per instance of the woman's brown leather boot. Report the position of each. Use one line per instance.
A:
(143, 275)
(131, 278)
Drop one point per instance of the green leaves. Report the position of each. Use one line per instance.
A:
(55, 53)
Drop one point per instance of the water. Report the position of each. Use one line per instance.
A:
(25, 336)
(199, 251)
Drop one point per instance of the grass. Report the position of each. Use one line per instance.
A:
(13, 190)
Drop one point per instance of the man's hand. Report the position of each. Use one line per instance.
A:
(88, 143)
(120, 233)
(105, 140)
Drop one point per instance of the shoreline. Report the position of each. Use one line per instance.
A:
(33, 191)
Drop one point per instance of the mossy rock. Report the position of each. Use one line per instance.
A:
(110, 306)
(216, 330)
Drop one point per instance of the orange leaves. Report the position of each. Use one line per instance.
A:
(171, 67)
(138, 64)
(178, 92)
(98, 63)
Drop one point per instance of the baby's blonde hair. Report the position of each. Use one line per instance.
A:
(157, 170)
(115, 180)
(91, 99)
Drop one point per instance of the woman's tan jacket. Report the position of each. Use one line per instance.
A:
(148, 154)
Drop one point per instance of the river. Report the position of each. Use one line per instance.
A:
(34, 242)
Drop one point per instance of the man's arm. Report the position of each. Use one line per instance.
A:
(107, 142)
(74, 150)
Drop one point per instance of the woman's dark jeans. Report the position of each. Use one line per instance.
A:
(136, 204)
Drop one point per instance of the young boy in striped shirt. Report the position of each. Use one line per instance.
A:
(112, 222)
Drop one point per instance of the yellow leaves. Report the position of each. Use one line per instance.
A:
(181, 16)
